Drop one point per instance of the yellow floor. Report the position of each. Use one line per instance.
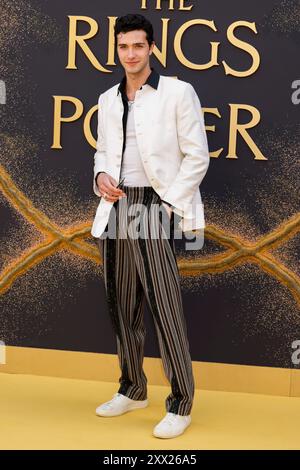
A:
(40, 412)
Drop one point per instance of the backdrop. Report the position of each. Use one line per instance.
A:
(241, 292)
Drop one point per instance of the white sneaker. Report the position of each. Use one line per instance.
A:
(172, 425)
(119, 404)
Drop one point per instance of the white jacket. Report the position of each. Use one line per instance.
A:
(172, 143)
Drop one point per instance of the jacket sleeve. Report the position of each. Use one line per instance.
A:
(193, 143)
(100, 154)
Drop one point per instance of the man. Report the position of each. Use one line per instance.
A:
(151, 135)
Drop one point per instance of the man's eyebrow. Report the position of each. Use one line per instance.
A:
(124, 44)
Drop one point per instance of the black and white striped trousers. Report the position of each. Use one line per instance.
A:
(145, 267)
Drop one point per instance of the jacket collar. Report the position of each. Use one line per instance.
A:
(152, 80)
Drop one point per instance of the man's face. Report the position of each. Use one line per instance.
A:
(133, 50)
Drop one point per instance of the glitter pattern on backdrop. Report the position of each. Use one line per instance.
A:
(284, 19)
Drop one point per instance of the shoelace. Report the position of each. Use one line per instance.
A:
(111, 402)
(170, 418)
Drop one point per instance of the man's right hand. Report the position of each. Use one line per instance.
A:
(107, 188)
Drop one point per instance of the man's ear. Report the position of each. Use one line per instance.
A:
(151, 47)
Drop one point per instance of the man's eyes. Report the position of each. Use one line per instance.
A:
(138, 45)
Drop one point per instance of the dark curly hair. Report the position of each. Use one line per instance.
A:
(131, 22)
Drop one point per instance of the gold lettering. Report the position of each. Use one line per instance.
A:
(234, 126)
(241, 128)
(87, 126)
(158, 5)
(182, 5)
(178, 49)
(74, 40)
(245, 47)
(161, 55)
(58, 118)
(214, 111)
(111, 41)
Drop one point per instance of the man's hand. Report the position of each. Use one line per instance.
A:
(107, 188)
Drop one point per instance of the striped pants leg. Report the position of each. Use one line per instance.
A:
(139, 268)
